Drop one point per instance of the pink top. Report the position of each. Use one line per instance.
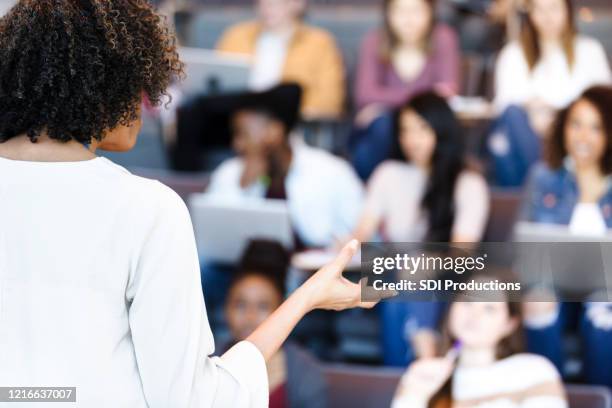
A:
(378, 82)
(395, 192)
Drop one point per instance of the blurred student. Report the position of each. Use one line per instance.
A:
(323, 192)
(573, 188)
(295, 379)
(485, 367)
(547, 68)
(427, 193)
(410, 54)
(285, 49)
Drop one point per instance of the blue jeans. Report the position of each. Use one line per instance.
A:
(596, 341)
(400, 319)
(371, 146)
(513, 147)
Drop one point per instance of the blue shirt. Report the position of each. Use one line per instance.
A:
(552, 195)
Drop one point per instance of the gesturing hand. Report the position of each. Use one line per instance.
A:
(328, 289)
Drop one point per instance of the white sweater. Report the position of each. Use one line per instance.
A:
(551, 80)
(519, 381)
(100, 290)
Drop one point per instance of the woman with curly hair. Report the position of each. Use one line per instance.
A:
(99, 274)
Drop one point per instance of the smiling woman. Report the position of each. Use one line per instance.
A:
(99, 276)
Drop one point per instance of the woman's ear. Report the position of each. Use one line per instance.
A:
(123, 137)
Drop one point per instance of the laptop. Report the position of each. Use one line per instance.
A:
(210, 72)
(576, 265)
(223, 227)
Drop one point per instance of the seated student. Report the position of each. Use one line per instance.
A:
(485, 367)
(428, 193)
(257, 289)
(409, 55)
(285, 49)
(323, 192)
(573, 188)
(544, 71)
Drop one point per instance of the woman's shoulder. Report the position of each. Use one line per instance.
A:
(393, 173)
(372, 40)
(534, 369)
(242, 29)
(317, 35)
(472, 178)
(512, 51)
(150, 195)
(443, 33)
(396, 168)
(587, 46)
(543, 175)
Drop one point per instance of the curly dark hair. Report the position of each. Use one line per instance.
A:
(600, 97)
(75, 69)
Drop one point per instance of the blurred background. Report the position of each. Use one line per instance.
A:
(303, 123)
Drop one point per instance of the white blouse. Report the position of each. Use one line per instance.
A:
(100, 290)
(552, 79)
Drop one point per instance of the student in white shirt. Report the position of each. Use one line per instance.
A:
(483, 365)
(323, 192)
(99, 275)
(551, 64)
(547, 68)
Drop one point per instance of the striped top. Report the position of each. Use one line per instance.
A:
(519, 381)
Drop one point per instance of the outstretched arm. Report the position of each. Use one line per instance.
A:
(326, 289)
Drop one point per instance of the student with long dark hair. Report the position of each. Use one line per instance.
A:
(99, 274)
(427, 192)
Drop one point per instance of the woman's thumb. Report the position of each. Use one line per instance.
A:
(344, 257)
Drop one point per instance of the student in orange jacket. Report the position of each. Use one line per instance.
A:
(285, 49)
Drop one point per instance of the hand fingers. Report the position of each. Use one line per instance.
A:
(453, 353)
(367, 305)
(344, 257)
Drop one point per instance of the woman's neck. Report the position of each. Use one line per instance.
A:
(280, 161)
(285, 28)
(477, 357)
(46, 149)
(549, 44)
(411, 47)
(591, 182)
